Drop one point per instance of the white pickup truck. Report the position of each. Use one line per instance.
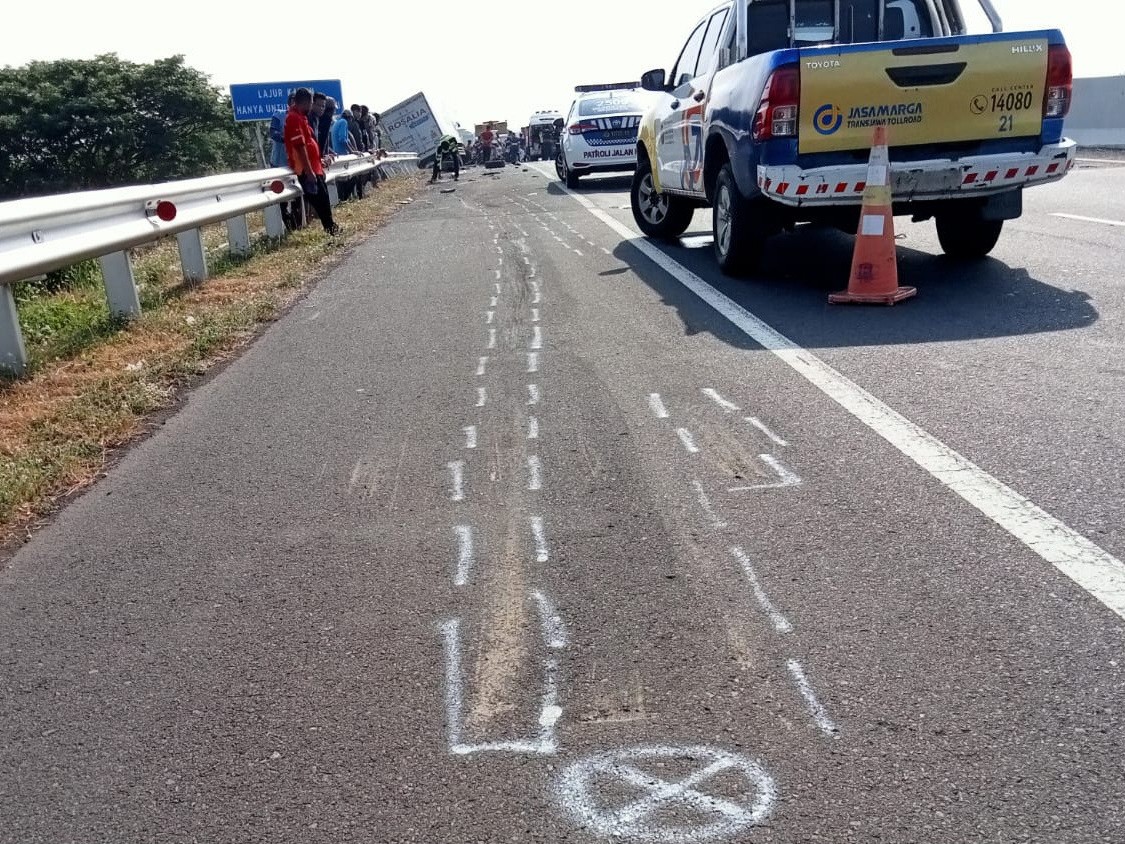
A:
(769, 112)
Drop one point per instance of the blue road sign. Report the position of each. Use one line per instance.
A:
(259, 100)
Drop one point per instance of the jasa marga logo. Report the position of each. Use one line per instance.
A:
(828, 119)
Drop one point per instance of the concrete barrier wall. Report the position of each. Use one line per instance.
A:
(1097, 115)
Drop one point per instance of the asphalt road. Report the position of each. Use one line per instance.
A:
(505, 535)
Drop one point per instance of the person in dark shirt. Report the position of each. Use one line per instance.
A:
(318, 105)
(324, 125)
(446, 146)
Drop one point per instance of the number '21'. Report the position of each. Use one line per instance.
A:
(1007, 122)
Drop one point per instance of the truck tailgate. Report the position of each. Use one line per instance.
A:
(925, 91)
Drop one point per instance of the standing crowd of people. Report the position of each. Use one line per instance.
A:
(308, 137)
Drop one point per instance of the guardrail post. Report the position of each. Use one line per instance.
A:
(333, 194)
(13, 354)
(193, 259)
(275, 223)
(238, 236)
(120, 286)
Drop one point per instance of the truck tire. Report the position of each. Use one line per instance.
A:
(659, 215)
(965, 235)
(740, 236)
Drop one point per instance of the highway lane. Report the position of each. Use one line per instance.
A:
(503, 535)
(1016, 361)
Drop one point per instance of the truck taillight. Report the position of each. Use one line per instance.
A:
(779, 109)
(1060, 82)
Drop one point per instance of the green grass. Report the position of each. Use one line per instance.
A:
(59, 422)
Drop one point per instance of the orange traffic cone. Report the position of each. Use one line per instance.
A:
(874, 279)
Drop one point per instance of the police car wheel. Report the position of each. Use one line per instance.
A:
(658, 215)
(965, 235)
(560, 167)
(739, 238)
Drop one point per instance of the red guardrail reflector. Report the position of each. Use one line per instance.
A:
(277, 186)
(166, 210)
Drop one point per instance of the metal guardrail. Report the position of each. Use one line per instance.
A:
(48, 233)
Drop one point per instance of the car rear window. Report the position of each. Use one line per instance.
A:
(618, 104)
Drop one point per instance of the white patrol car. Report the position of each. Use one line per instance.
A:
(600, 135)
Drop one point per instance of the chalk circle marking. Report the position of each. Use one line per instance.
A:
(644, 815)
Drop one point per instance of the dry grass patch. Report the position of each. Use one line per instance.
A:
(90, 395)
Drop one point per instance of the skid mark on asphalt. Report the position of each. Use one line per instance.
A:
(1088, 565)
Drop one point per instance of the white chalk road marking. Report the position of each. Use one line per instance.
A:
(535, 315)
(482, 396)
(464, 554)
(728, 406)
(534, 473)
(554, 631)
(532, 362)
(539, 533)
(657, 405)
(688, 441)
(489, 317)
(543, 744)
(761, 426)
(1091, 567)
(536, 338)
(780, 622)
(532, 428)
(617, 795)
(816, 710)
(785, 477)
(457, 488)
(492, 338)
(470, 436)
(533, 394)
(708, 509)
(482, 365)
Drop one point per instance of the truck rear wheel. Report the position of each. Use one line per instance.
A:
(964, 234)
(740, 238)
(658, 215)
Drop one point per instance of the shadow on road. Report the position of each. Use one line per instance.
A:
(611, 183)
(956, 301)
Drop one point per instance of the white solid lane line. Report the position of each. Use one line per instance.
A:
(1091, 567)
(1081, 219)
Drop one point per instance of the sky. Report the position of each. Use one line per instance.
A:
(475, 61)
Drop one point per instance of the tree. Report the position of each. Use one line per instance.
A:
(80, 124)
